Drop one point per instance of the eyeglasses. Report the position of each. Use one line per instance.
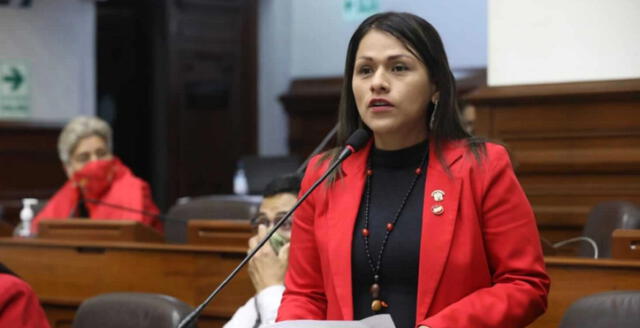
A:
(264, 220)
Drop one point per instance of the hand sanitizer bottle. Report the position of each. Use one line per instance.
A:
(240, 184)
(26, 216)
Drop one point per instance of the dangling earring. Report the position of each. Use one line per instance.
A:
(433, 115)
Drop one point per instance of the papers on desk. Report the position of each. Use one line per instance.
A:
(376, 321)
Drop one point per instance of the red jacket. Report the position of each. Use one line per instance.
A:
(19, 305)
(481, 262)
(126, 190)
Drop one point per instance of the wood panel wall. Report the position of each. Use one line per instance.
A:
(29, 164)
(573, 145)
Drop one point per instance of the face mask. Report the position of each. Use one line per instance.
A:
(277, 241)
(95, 178)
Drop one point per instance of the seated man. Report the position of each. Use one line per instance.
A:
(269, 265)
(19, 305)
(99, 185)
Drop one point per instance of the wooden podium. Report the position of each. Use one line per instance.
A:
(235, 233)
(625, 244)
(98, 230)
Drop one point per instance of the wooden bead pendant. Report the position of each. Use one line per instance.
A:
(376, 305)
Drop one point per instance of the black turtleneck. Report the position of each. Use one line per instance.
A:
(393, 172)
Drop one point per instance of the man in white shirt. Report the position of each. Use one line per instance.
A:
(268, 266)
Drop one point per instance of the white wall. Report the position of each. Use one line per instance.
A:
(462, 24)
(547, 41)
(274, 57)
(319, 35)
(319, 38)
(308, 38)
(56, 38)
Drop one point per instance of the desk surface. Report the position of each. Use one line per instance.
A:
(63, 273)
(54, 243)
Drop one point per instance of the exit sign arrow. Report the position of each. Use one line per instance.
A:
(15, 78)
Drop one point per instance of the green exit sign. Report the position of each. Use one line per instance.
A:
(357, 10)
(14, 90)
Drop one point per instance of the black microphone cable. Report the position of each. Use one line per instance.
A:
(125, 208)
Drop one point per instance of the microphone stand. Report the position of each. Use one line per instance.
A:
(124, 208)
(318, 149)
(348, 150)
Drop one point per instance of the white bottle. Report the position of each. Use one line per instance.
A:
(240, 184)
(26, 216)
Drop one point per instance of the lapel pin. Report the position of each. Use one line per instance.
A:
(438, 195)
(437, 209)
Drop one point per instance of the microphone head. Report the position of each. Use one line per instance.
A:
(358, 139)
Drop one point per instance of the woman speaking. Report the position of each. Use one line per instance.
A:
(426, 223)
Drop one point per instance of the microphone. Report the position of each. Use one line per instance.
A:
(354, 143)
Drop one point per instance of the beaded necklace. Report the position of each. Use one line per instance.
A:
(377, 303)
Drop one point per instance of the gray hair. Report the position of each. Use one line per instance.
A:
(78, 129)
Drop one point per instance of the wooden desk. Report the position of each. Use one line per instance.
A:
(573, 278)
(219, 232)
(98, 230)
(64, 273)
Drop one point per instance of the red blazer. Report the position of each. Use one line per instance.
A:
(19, 305)
(126, 190)
(481, 262)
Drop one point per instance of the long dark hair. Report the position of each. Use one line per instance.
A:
(422, 39)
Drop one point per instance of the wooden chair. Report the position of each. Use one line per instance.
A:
(603, 219)
(227, 207)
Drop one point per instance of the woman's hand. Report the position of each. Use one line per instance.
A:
(267, 268)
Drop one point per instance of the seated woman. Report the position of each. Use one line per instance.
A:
(99, 185)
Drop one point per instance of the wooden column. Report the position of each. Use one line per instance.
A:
(312, 107)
